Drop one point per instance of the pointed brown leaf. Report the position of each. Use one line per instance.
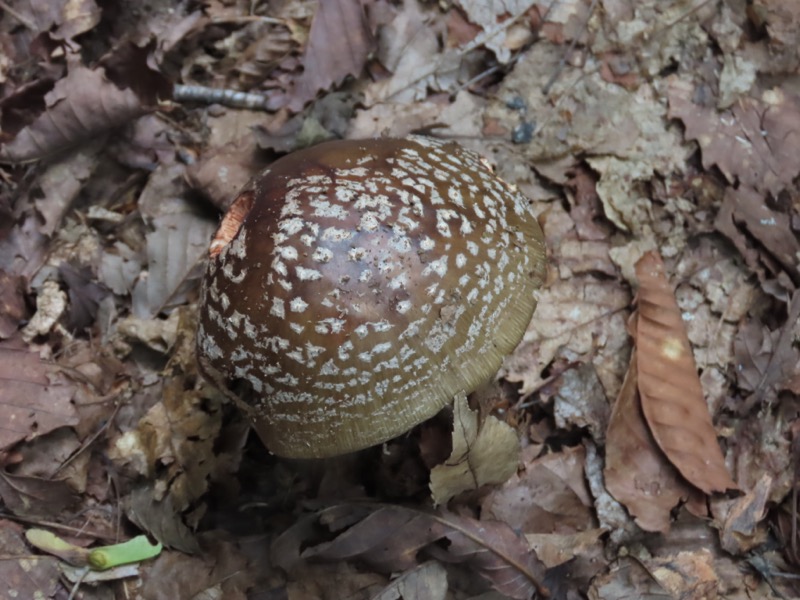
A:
(637, 472)
(671, 393)
(331, 56)
(35, 398)
(390, 538)
(86, 104)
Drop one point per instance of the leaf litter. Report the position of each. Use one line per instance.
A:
(654, 129)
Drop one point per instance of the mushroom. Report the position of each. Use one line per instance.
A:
(355, 287)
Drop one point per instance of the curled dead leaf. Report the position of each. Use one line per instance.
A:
(672, 396)
(637, 473)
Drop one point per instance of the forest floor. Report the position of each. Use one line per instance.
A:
(652, 409)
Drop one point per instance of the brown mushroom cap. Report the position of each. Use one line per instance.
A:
(355, 287)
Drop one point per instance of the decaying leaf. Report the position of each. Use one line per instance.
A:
(688, 574)
(160, 518)
(746, 208)
(483, 453)
(28, 576)
(331, 56)
(85, 104)
(175, 249)
(755, 143)
(35, 497)
(34, 397)
(744, 527)
(672, 397)
(51, 303)
(637, 472)
(767, 360)
(12, 303)
(549, 495)
(62, 19)
(390, 538)
(556, 549)
(425, 582)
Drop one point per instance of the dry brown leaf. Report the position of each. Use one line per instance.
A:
(756, 142)
(61, 183)
(34, 397)
(12, 303)
(425, 582)
(221, 572)
(337, 581)
(85, 104)
(483, 453)
(61, 19)
(338, 45)
(390, 538)
(671, 393)
(637, 473)
(688, 574)
(744, 528)
(772, 228)
(626, 579)
(555, 549)
(488, 14)
(549, 496)
(580, 401)
(29, 576)
(35, 497)
(175, 252)
(766, 360)
(409, 48)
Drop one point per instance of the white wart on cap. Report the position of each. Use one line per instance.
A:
(355, 287)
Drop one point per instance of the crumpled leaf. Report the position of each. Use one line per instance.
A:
(556, 548)
(671, 393)
(689, 574)
(84, 295)
(30, 576)
(85, 104)
(12, 303)
(767, 360)
(161, 519)
(331, 56)
(62, 19)
(549, 495)
(488, 14)
(637, 472)
(35, 497)
(756, 142)
(770, 227)
(482, 454)
(741, 531)
(425, 582)
(389, 539)
(34, 397)
(175, 250)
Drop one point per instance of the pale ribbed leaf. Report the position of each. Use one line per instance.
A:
(670, 389)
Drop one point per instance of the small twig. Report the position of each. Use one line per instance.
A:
(249, 19)
(75, 531)
(207, 95)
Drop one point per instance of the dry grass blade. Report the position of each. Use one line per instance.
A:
(391, 538)
(670, 389)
